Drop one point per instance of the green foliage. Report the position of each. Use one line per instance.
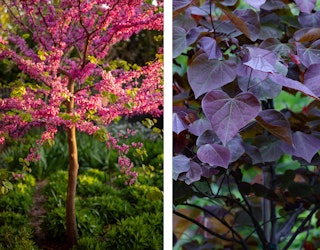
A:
(137, 233)
(16, 238)
(90, 243)
(110, 208)
(54, 224)
(13, 219)
(19, 199)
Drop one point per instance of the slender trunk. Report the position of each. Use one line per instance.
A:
(71, 223)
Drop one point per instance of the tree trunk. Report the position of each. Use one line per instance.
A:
(71, 222)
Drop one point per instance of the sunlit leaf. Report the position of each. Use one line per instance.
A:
(228, 115)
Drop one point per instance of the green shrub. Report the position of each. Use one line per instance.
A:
(141, 232)
(13, 219)
(110, 208)
(89, 222)
(16, 238)
(54, 224)
(143, 198)
(19, 199)
(88, 243)
(89, 186)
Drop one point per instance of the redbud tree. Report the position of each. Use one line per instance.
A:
(66, 81)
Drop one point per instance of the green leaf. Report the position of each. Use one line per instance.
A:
(4, 174)
(101, 134)
(154, 194)
(7, 184)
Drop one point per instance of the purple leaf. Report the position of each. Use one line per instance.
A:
(269, 147)
(273, 5)
(253, 153)
(312, 78)
(214, 154)
(309, 19)
(228, 2)
(179, 41)
(304, 146)
(177, 124)
(209, 46)
(228, 115)
(208, 171)
(262, 89)
(274, 45)
(306, 5)
(178, 4)
(194, 33)
(251, 20)
(181, 164)
(208, 137)
(236, 148)
(276, 123)
(205, 75)
(194, 174)
(310, 55)
(261, 59)
(199, 126)
(291, 84)
(255, 3)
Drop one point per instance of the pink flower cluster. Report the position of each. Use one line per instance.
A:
(70, 40)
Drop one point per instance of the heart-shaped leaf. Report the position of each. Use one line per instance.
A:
(261, 59)
(276, 123)
(228, 115)
(209, 46)
(312, 78)
(262, 89)
(255, 3)
(194, 174)
(251, 19)
(179, 41)
(205, 75)
(177, 124)
(312, 34)
(306, 5)
(309, 19)
(236, 148)
(181, 164)
(304, 146)
(310, 55)
(199, 126)
(214, 154)
(291, 84)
